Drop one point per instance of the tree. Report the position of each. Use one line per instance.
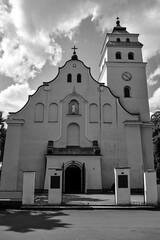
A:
(155, 118)
(2, 135)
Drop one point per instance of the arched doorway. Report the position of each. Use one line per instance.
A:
(73, 179)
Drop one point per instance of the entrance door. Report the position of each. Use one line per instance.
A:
(73, 179)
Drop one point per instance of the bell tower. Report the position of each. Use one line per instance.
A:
(122, 69)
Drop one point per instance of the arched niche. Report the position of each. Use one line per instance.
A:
(73, 107)
(39, 112)
(53, 113)
(107, 113)
(93, 113)
(73, 134)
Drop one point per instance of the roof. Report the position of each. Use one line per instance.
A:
(118, 29)
(75, 150)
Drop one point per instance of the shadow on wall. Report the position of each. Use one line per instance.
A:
(28, 221)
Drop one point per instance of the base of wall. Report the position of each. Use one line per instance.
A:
(41, 191)
(89, 191)
(10, 204)
(10, 195)
(133, 190)
(158, 189)
(94, 191)
(99, 191)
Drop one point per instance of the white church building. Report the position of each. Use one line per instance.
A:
(84, 126)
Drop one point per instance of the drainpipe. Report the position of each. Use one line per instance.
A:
(100, 90)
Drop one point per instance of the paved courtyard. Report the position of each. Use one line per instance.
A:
(80, 225)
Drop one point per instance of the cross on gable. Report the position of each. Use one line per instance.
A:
(74, 48)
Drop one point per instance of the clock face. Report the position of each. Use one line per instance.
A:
(126, 76)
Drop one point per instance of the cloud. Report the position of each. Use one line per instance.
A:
(154, 77)
(154, 101)
(14, 97)
(139, 17)
(28, 31)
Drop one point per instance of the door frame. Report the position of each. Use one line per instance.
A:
(82, 168)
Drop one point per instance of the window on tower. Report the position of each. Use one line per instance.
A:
(69, 77)
(127, 92)
(118, 39)
(118, 55)
(127, 40)
(130, 55)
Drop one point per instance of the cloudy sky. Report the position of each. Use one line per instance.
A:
(36, 37)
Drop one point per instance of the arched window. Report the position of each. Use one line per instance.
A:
(107, 113)
(73, 134)
(39, 112)
(93, 113)
(127, 92)
(127, 40)
(73, 107)
(53, 113)
(118, 55)
(79, 78)
(118, 39)
(130, 55)
(69, 77)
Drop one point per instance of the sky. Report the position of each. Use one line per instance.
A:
(37, 37)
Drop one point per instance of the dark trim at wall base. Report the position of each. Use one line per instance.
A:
(100, 191)
(94, 191)
(10, 204)
(133, 191)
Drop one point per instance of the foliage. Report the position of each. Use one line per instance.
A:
(2, 135)
(155, 118)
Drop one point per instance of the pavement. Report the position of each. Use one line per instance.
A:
(79, 225)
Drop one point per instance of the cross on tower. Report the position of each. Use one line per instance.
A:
(118, 22)
(74, 48)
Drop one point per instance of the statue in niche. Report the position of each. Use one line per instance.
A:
(73, 109)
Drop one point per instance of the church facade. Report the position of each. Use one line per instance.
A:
(83, 126)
